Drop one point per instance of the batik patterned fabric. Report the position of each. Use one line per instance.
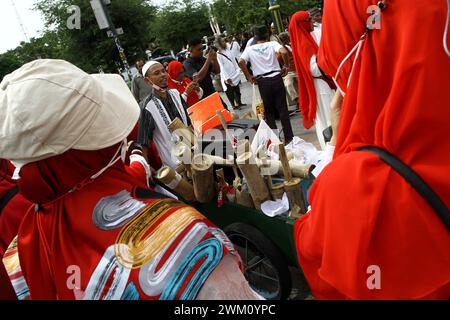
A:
(164, 250)
(12, 265)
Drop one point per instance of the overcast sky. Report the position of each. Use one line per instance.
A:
(11, 33)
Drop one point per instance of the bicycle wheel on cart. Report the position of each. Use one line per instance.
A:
(266, 269)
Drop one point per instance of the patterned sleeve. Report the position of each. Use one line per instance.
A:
(146, 127)
(185, 107)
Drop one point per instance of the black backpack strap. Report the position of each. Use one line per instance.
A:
(415, 181)
(8, 196)
(144, 193)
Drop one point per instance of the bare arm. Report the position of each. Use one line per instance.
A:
(336, 105)
(285, 55)
(243, 65)
(211, 59)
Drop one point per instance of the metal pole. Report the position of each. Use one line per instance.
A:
(276, 16)
(115, 36)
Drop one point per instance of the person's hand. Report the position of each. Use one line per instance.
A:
(229, 82)
(252, 80)
(191, 87)
(212, 55)
(335, 113)
(284, 72)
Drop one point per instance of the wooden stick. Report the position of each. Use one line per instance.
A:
(257, 187)
(203, 178)
(284, 162)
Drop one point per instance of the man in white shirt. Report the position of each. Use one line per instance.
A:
(234, 47)
(268, 74)
(316, 17)
(230, 72)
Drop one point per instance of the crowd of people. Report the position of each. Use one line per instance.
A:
(80, 218)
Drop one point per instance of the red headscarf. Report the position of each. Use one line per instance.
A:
(397, 99)
(173, 69)
(303, 48)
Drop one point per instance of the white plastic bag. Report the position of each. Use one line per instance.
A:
(275, 208)
(264, 139)
(257, 104)
(303, 152)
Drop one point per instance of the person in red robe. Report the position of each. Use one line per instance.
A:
(315, 89)
(190, 90)
(96, 231)
(13, 207)
(370, 234)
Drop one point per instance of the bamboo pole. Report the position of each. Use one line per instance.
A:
(186, 134)
(291, 185)
(298, 170)
(174, 181)
(203, 178)
(257, 187)
(184, 155)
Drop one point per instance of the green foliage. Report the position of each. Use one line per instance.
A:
(241, 15)
(179, 21)
(89, 48)
(146, 26)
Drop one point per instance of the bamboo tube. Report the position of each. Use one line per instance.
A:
(295, 194)
(243, 198)
(291, 185)
(174, 181)
(184, 155)
(257, 187)
(277, 191)
(221, 161)
(180, 168)
(297, 170)
(203, 178)
(287, 172)
(243, 146)
(186, 134)
(249, 115)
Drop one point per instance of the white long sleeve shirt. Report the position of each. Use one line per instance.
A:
(229, 68)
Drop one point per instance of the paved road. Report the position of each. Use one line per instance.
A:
(300, 290)
(296, 121)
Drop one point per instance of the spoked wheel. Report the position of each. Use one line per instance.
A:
(265, 267)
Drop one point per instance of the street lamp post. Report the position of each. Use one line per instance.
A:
(276, 16)
(104, 21)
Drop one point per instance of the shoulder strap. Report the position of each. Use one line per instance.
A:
(415, 181)
(7, 197)
(225, 56)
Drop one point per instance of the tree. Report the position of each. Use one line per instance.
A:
(179, 21)
(46, 46)
(89, 47)
(241, 15)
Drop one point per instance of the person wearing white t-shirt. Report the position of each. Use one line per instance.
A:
(230, 72)
(268, 75)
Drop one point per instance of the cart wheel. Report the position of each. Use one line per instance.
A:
(266, 269)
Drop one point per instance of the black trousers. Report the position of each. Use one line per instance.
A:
(273, 94)
(234, 95)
